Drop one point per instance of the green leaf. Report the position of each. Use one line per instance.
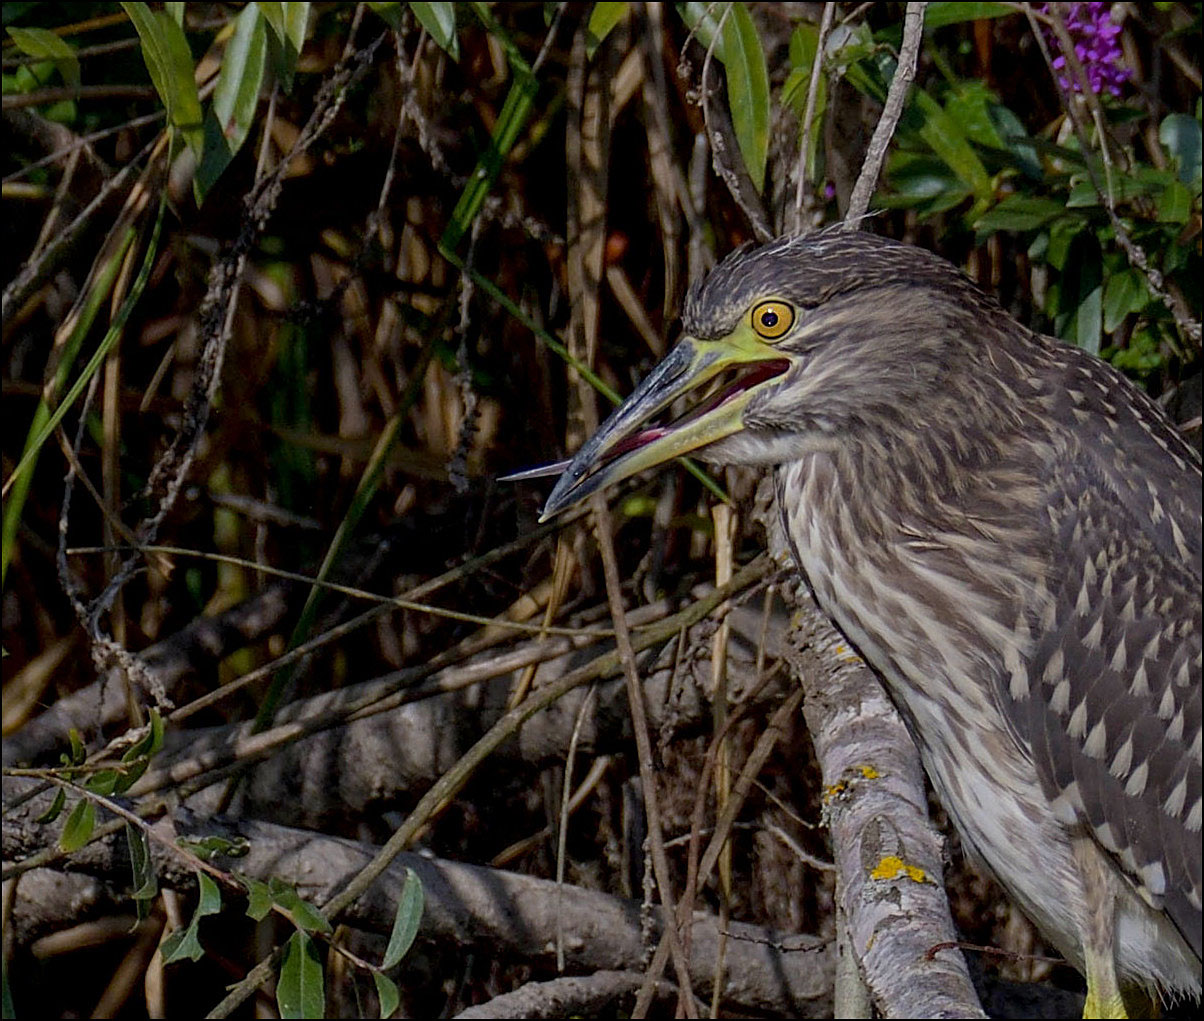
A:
(949, 142)
(45, 45)
(169, 61)
(1180, 134)
(78, 751)
(56, 807)
(287, 23)
(1125, 292)
(515, 111)
(390, 12)
(1062, 234)
(602, 19)
(937, 15)
(386, 992)
(103, 782)
(969, 104)
(235, 98)
(305, 915)
(407, 920)
(210, 900)
(209, 847)
(1019, 212)
(78, 829)
(299, 992)
(184, 943)
(747, 90)
(259, 898)
(145, 883)
(440, 20)
(150, 742)
(1174, 204)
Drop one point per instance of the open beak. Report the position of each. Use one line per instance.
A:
(722, 374)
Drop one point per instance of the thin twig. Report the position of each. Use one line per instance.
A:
(825, 26)
(875, 157)
(639, 725)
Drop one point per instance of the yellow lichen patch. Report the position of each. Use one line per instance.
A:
(869, 772)
(834, 791)
(892, 867)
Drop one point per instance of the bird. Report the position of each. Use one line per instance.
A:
(1007, 530)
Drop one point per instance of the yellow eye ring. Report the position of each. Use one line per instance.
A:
(771, 319)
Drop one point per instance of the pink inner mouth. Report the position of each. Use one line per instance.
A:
(757, 374)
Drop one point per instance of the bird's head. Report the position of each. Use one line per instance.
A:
(787, 348)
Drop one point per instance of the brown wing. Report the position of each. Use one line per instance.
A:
(1114, 712)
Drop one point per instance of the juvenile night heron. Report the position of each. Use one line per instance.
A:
(1009, 532)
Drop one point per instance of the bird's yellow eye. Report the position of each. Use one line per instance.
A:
(771, 319)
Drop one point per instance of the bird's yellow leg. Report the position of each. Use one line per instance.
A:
(1104, 999)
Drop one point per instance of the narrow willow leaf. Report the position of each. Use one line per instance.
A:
(299, 990)
(602, 19)
(169, 61)
(56, 806)
(145, 883)
(78, 752)
(406, 921)
(288, 23)
(386, 992)
(78, 829)
(150, 742)
(747, 90)
(236, 97)
(510, 123)
(43, 44)
(440, 20)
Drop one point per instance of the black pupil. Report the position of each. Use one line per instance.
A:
(769, 320)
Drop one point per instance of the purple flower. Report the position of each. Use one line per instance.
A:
(1094, 36)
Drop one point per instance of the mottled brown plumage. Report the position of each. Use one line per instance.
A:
(1009, 531)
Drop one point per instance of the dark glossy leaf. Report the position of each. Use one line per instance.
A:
(1180, 133)
(299, 990)
(1124, 293)
(1019, 212)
